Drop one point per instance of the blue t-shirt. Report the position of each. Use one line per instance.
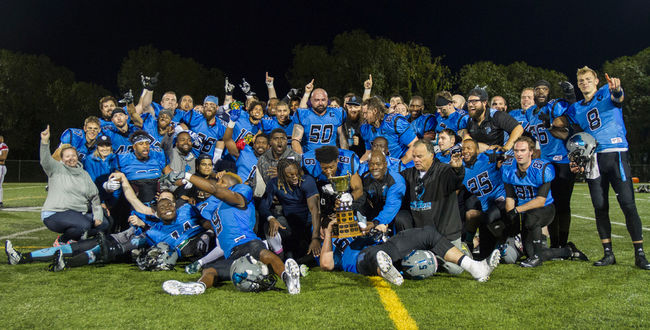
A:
(396, 129)
(320, 130)
(483, 179)
(232, 225)
(601, 118)
(348, 164)
(552, 148)
(538, 173)
(136, 169)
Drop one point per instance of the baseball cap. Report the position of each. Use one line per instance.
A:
(104, 140)
(117, 110)
(354, 101)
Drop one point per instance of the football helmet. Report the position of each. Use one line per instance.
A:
(419, 264)
(581, 146)
(251, 275)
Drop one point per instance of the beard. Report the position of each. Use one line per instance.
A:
(478, 113)
(320, 108)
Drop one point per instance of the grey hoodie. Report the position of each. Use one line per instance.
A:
(69, 188)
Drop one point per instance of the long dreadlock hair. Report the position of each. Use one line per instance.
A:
(283, 181)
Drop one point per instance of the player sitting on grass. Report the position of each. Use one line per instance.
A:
(358, 257)
(232, 216)
(180, 229)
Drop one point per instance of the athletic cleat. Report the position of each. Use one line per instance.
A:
(304, 270)
(176, 288)
(641, 262)
(575, 253)
(387, 270)
(59, 263)
(607, 260)
(13, 256)
(491, 263)
(193, 267)
(291, 276)
(531, 262)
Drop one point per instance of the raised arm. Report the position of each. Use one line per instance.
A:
(227, 136)
(217, 191)
(47, 162)
(367, 88)
(305, 97)
(269, 86)
(137, 205)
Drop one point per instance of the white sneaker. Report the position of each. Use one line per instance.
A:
(59, 263)
(387, 270)
(291, 276)
(176, 288)
(13, 256)
(487, 266)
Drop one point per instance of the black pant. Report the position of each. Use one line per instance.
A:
(533, 221)
(72, 224)
(561, 190)
(296, 238)
(400, 245)
(615, 171)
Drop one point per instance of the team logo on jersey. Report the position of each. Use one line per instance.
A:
(174, 234)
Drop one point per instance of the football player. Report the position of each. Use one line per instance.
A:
(394, 127)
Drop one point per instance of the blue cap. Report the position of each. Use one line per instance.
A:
(211, 98)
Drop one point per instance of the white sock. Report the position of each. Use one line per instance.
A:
(217, 155)
(474, 267)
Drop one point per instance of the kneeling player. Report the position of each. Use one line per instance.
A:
(231, 214)
(378, 259)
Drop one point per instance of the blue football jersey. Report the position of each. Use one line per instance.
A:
(539, 172)
(150, 125)
(185, 226)
(320, 130)
(268, 124)
(456, 121)
(232, 225)
(120, 141)
(178, 113)
(392, 164)
(552, 148)
(77, 138)
(135, 169)
(346, 252)
(207, 134)
(348, 164)
(483, 179)
(246, 163)
(105, 123)
(396, 129)
(601, 118)
(425, 123)
(244, 129)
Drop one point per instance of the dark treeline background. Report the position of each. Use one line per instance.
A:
(35, 92)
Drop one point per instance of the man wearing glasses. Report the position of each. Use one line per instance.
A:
(430, 197)
(488, 126)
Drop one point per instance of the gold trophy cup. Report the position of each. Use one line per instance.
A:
(346, 225)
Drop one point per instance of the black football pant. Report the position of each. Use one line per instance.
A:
(400, 245)
(561, 190)
(533, 221)
(615, 171)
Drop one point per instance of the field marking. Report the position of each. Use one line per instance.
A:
(612, 222)
(28, 247)
(396, 311)
(23, 232)
(26, 187)
(26, 197)
(22, 209)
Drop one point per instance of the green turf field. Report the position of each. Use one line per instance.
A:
(557, 295)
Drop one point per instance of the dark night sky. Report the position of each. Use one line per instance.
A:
(247, 38)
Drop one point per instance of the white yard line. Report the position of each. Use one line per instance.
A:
(612, 222)
(26, 187)
(22, 233)
(21, 209)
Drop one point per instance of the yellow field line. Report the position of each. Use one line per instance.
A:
(29, 247)
(396, 311)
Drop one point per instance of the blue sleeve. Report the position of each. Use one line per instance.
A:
(156, 107)
(367, 139)
(404, 130)
(430, 124)
(354, 162)
(243, 190)
(192, 118)
(66, 136)
(394, 197)
(343, 115)
(462, 122)
(309, 186)
(559, 108)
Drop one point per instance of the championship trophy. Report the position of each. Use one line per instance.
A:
(346, 226)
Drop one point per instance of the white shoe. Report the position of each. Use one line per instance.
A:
(488, 265)
(59, 263)
(13, 256)
(387, 270)
(291, 276)
(176, 288)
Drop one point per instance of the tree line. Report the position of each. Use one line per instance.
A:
(34, 91)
